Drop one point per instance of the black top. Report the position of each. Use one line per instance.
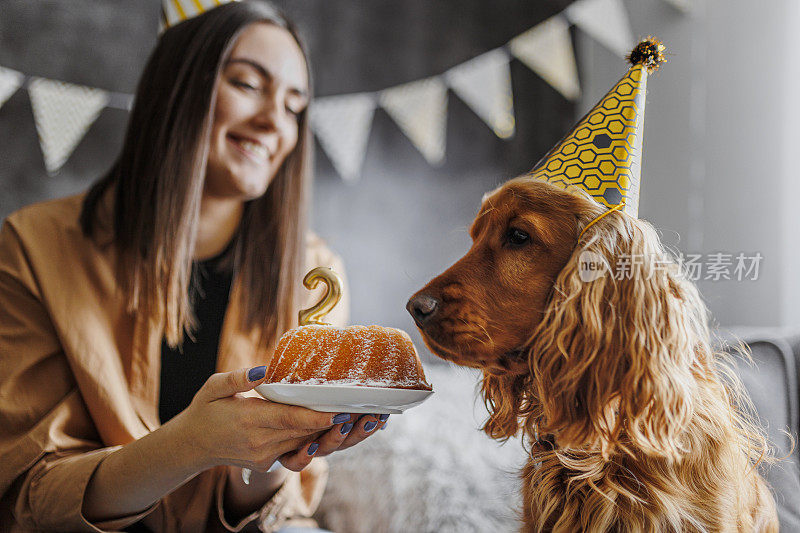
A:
(186, 368)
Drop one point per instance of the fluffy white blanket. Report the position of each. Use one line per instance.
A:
(430, 470)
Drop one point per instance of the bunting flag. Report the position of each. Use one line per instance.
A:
(420, 109)
(10, 80)
(606, 21)
(342, 125)
(547, 50)
(63, 113)
(484, 84)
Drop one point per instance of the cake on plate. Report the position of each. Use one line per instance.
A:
(370, 356)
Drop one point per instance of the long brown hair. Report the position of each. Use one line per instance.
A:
(158, 183)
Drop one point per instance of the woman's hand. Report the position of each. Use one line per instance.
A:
(339, 437)
(221, 426)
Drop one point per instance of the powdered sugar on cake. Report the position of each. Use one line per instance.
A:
(370, 356)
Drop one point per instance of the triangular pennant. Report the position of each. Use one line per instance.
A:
(63, 113)
(342, 125)
(420, 109)
(484, 83)
(605, 20)
(547, 50)
(10, 80)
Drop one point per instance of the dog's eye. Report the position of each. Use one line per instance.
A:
(517, 237)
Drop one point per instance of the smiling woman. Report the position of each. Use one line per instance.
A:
(189, 170)
(180, 262)
(255, 120)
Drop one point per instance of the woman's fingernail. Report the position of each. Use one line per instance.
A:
(369, 426)
(313, 448)
(346, 428)
(341, 417)
(256, 373)
(383, 417)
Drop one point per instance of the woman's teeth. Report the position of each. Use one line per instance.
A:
(254, 148)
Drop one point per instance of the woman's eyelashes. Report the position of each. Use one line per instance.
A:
(295, 103)
(292, 108)
(244, 85)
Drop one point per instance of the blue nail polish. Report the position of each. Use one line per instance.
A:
(313, 448)
(341, 417)
(256, 373)
(383, 417)
(369, 426)
(346, 428)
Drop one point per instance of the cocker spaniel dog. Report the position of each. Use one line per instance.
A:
(632, 422)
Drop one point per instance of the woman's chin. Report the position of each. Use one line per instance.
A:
(250, 185)
(244, 188)
(251, 192)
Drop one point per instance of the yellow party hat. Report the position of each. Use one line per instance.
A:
(603, 153)
(175, 11)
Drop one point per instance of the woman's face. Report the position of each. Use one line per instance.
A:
(260, 93)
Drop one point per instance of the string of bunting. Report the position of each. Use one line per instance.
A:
(63, 112)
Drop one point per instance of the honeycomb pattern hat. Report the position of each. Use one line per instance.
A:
(602, 154)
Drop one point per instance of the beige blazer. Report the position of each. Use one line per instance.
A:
(79, 378)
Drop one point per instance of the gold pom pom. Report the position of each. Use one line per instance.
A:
(649, 52)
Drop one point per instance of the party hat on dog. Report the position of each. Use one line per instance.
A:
(175, 11)
(602, 154)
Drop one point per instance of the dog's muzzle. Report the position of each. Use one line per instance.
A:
(422, 308)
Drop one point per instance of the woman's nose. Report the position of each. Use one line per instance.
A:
(271, 112)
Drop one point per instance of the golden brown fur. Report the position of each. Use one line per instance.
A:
(633, 423)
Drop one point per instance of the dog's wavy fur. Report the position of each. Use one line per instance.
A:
(632, 419)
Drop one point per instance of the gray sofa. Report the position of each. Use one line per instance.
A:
(773, 386)
(432, 470)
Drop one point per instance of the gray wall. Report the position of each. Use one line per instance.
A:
(405, 221)
(718, 172)
(721, 140)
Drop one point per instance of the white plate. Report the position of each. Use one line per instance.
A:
(344, 398)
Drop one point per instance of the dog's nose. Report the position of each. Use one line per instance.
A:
(422, 307)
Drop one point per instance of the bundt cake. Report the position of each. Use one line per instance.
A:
(371, 356)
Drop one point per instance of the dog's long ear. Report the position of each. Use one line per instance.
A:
(613, 358)
(505, 396)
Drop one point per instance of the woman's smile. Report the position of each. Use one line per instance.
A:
(254, 150)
